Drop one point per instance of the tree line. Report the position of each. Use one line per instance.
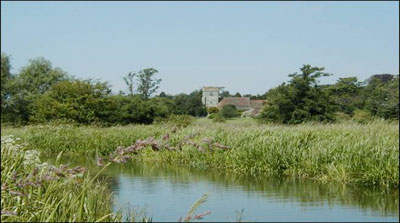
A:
(303, 99)
(40, 93)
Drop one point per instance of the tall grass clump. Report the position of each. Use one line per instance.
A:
(39, 192)
(347, 152)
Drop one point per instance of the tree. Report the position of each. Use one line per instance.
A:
(38, 76)
(346, 94)
(32, 81)
(381, 96)
(300, 100)
(5, 80)
(129, 81)
(224, 94)
(83, 101)
(238, 94)
(190, 104)
(148, 84)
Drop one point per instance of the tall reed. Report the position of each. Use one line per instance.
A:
(33, 191)
(345, 152)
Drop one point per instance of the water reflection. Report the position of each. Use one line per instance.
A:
(171, 190)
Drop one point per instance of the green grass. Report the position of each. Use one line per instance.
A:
(345, 152)
(38, 192)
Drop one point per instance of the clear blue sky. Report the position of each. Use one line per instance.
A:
(248, 47)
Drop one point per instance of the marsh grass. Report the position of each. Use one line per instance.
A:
(32, 191)
(348, 152)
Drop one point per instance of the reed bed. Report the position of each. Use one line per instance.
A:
(33, 191)
(350, 152)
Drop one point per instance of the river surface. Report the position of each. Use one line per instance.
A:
(166, 193)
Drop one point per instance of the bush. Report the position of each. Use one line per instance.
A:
(229, 111)
(219, 118)
(180, 120)
(133, 109)
(362, 116)
(212, 110)
(341, 116)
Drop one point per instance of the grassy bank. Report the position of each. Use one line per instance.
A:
(38, 192)
(348, 152)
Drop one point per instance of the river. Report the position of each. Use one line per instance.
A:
(166, 193)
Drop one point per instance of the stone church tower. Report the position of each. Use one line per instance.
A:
(210, 96)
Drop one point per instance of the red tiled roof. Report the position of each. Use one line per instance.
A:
(257, 103)
(241, 103)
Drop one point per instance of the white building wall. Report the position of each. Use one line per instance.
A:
(210, 98)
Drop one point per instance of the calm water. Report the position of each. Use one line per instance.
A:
(167, 193)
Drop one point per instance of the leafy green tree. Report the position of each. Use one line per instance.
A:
(147, 83)
(190, 104)
(136, 110)
(130, 81)
(5, 80)
(83, 101)
(229, 111)
(39, 75)
(346, 94)
(381, 96)
(28, 85)
(238, 94)
(133, 110)
(164, 107)
(224, 94)
(300, 100)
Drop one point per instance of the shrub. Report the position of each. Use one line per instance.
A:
(362, 116)
(341, 116)
(219, 118)
(212, 110)
(180, 120)
(229, 111)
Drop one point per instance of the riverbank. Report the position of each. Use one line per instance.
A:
(353, 153)
(35, 191)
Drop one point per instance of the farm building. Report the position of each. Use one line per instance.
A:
(250, 107)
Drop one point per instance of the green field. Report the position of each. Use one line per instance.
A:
(345, 152)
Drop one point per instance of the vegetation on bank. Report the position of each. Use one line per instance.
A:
(345, 152)
(34, 191)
